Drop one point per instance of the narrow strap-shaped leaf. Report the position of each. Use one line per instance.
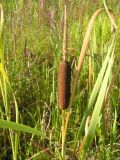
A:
(1, 36)
(19, 127)
(98, 106)
(93, 94)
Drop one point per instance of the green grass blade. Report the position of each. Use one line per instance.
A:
(97, 109)
(5, 77)
(2, 70)
(93, 95)
(1, 36)
(114, 124)
(19, 127)
(100, 77)
(113, 133)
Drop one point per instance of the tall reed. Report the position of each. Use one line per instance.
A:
(64, 81)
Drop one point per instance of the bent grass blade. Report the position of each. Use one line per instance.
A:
(97, 108)
(93, 95)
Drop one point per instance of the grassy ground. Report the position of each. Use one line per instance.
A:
(33, 39)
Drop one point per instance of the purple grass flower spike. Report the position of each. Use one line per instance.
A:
(42, 3)
(51, 13)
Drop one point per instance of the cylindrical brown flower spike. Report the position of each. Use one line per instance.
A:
(64, 80)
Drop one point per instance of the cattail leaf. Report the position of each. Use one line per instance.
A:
(20, 127)
(99, 80)
(1, 36)
(97, 108)
(94, 94)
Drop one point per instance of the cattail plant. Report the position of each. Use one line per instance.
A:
(64, 76)
(81, 60)
(64, 79)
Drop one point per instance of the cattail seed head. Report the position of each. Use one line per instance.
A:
(64, 80)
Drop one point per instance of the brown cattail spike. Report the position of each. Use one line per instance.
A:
(64, 79)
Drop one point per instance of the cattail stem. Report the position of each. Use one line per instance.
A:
(67, 66)
(65, 34)
(63, 133)
(64, 76)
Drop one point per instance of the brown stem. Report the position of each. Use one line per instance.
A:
(65, 34)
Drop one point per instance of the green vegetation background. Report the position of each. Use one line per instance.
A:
(33, 36)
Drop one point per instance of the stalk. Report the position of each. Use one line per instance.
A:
(64, 80)
(63, 135)
(64, 58)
